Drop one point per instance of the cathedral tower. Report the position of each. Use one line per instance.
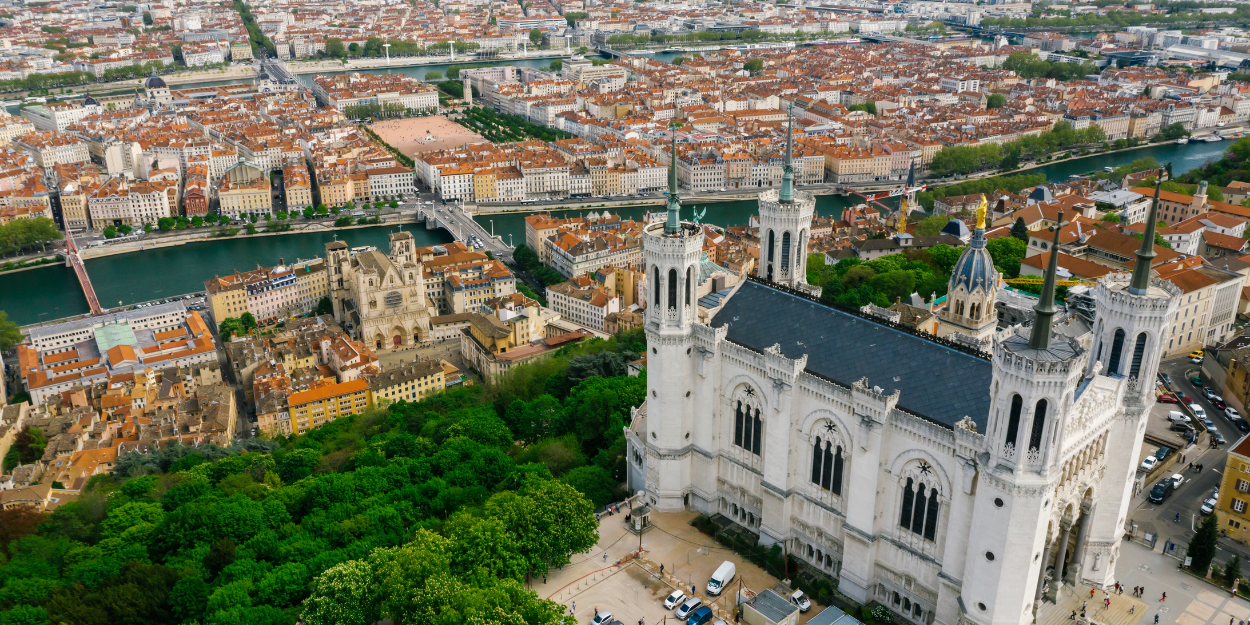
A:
(785, 227)
(1129, 333)
(1035, 376)
(972, 290)
(672, 250)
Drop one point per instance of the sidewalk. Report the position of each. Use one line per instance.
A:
(1190, 601)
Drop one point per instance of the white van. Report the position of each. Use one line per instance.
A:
(721, 578)
(1199, 412)
(1176, 417)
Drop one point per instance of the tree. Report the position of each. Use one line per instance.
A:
(324, 307)
(165, 224)
(754, 66)
(346, 594)
(10, 333)
(557, 65)
(110, 232)
(1007, 253)
(433, 75)
(550, 520)
(335, 49)
(147, 18)
(1203, 546)
(1020, 231)
(595, 483)
(309, 212)
(1172, 132)
(931, 225)
(536, 36)
(995, 100)
(1232, 570)
(247, 320)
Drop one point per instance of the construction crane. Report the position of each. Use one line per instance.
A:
(1037, 281)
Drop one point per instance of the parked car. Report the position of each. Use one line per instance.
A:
(1196, 381)
(1177, 480)
(1197, 353)
(1217, 438)
(1163, 453)
(1219, 402)
(1208, 422)
(1189, 401)
(1232, 413)
(684, 610)
(1161, 491)
(800, 601)
(1176, 416)
(1208, 393)
(1167, 398)
(1149, 463)
(1167, 379)
(701, 615)
(1196, 361)
(674, 599)
(1241, 424)
(1180, 426)
(602, 618)
(1208, 506)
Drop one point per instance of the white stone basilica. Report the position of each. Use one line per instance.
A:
(948, 483)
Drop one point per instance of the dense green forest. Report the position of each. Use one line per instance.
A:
(432, 512)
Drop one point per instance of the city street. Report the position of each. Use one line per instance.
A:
(1197, 487)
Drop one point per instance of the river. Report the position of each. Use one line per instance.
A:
(53, 292)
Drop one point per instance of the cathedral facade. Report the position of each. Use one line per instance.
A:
(953, 484)
(380, 297)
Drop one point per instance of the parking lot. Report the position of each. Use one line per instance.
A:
(1177, 517)
(635, 590)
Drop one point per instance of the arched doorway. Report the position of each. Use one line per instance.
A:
(397, 340)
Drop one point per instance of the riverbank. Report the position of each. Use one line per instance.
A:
(1038, 164)
(206, 235)
(47, 260)
(313, 67)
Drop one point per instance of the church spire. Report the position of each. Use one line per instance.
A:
(1146, 255)
(786, 194)
(673, 225)
(1045, 308)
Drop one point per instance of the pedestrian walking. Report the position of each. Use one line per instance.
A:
(1083, 604)
(1091, 593)
(1156, 618)
(1073, 617)
(661, 570)
(1164, 597)
(574, 607)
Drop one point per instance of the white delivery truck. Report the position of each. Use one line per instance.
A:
(721, 578)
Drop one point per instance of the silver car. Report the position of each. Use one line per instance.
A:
(686, 608)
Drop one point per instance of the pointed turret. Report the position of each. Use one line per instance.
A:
(786, 194)
(673, 225)
(911, 175)
(1146, 255)
(1045, 308)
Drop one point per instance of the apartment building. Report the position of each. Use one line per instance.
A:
(325, 402)
(1231, 506)
(586, 307)
(297, 186)
(119, 201)
(342, 91)
(412, 382)
(244, 190)
(390, 182)
(573, 255)
(53, 148)
(1207, 307)
(270, 294)
(57, 116)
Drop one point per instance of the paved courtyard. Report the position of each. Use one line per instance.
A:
(1190, 601)
(634, 590)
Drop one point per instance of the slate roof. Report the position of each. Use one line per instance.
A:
(938, 382)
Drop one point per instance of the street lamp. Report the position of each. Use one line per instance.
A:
(492, 228)
(388, 52)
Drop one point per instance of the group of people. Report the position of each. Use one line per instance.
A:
(1138, 591)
